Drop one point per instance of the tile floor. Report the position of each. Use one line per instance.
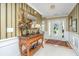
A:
(54, 50)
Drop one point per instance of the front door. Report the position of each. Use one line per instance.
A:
(57, 29)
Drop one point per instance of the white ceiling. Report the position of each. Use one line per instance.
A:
(61, 9)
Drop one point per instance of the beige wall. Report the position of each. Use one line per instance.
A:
(13, 18)
(38, 19)
(9, 18)
(3, 21)
(78, 18)
(17, 13)
(74, 14)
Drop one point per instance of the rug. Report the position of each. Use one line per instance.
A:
(58, 42)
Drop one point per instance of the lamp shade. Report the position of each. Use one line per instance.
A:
(33, 26)
(37, 26)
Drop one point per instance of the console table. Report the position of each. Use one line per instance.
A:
(28, 42)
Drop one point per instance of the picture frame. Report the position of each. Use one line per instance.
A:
(74, 24)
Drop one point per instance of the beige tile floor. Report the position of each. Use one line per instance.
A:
(54, 50)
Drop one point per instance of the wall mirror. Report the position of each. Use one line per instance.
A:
(74, 24)
(25, 25)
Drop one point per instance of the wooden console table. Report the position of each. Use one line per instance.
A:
(28, 41)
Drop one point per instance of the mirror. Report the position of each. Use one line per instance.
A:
(26, 24)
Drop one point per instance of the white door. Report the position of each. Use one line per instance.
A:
(57, 29)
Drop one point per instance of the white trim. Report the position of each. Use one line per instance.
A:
(2, 40)
(71, 8)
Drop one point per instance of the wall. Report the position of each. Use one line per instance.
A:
(73, 39)
(9, 17)
(9, 47)
(74, 14)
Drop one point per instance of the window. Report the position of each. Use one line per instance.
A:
(49, 27)
(43, 26)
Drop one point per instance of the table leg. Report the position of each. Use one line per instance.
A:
(28, 54)
(42, 43)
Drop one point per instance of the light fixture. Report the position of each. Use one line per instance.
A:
(52, 6)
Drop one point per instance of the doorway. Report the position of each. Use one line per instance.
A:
(56, 29)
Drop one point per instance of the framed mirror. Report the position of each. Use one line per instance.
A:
(74, 24)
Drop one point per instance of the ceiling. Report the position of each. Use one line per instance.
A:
(59, 9)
